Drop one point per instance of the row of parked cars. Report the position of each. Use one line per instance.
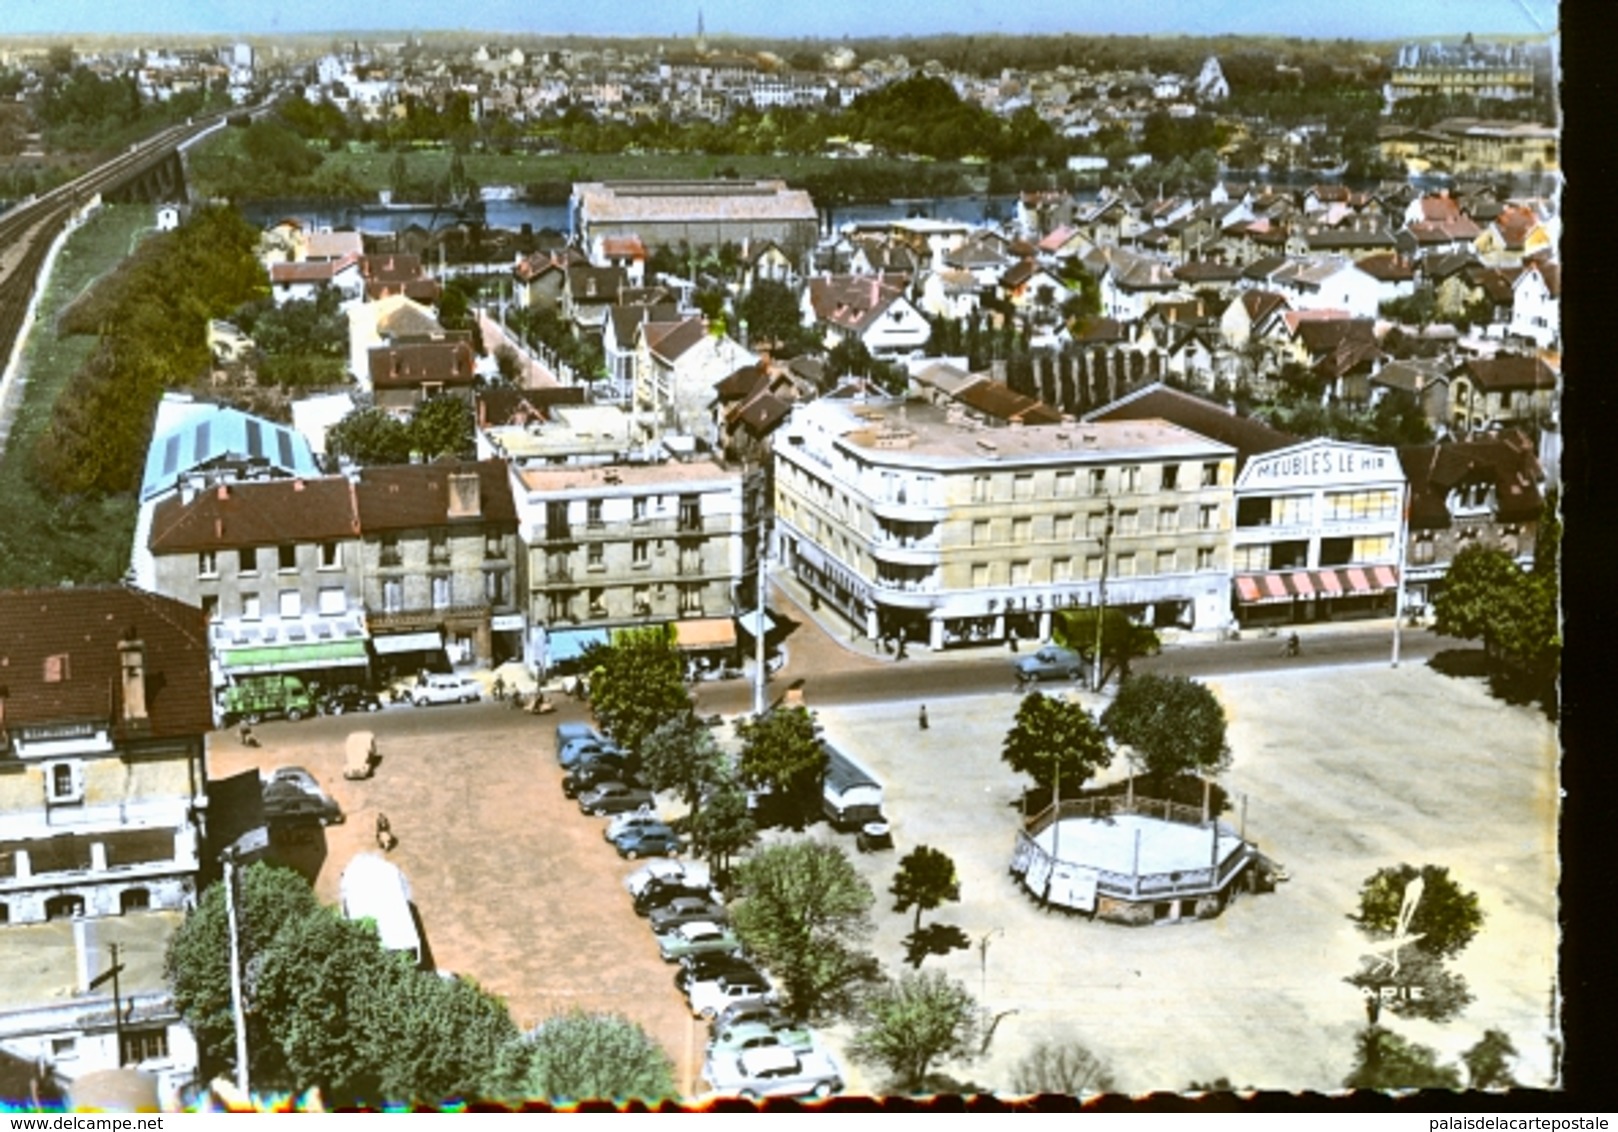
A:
(754, 1050)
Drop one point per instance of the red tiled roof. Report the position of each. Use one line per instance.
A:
(83, 627)
(406, 366)
(395, 497)
(255, 514)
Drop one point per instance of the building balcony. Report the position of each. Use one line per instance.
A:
(909, 511)
(907, 552)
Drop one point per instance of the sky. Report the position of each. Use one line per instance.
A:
(1363, 19)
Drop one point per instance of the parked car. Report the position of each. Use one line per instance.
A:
(613, 797)
(620, 823)
(691, 872)
(745, 1010)
(773, 1071)
(446, 688)
(593, 772)
(685, 910)
(695, 938)
(874, 835)
(773, 1028)
(709, 996)
(1051, 662)
(648, 841)
(349, 697)
(710, 966)
(291, 793)
(578, 750)
(659, 893)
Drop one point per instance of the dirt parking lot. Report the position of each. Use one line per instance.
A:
(1346, 770)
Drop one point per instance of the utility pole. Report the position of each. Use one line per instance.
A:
(1399, 592)
(758, 623)
(112, 973)
(1101, 605)
(238, 1014)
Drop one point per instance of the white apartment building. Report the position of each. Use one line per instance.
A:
(628, 545)
(913, 520)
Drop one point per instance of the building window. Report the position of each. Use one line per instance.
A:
(1095, 524)
(286, 559)
(64, 783)
(638, 556)
(331, 555)
(691, 600)
(210, 607)
(437, 547)
(1207, 516)
(332, 601)
(68, 906)
(64, 1048)
(250, 609)
(495, 590)
(1128, 522)
(638, 512)
(392, 596)
(1129, 477)
(643, 600)
(388, 554)
(441, 591)
(595, 556)
(1022, 530)
(208, 564)
(1065, 482)
(1251, 559)
(1165, 561)
(1020, 573)
(980, 575)
(1092, 566)
(1168, 518)
(691, 511)
(1098, 481)
(247, 563)
(556, 526)
(1358, 506)
(289, 604)
(145, 1045)
(560, 606)
(980, 532)
(1124, 566)
(1210, 475)
(1171, 477)
(1062, 528)
(56, 668)
(1373, 548)
(1422, 550)
(592, 513)
(494, 544)
(598, 602)
(1205, 558)
(1062, 570)
(1022, 485)
(134, 900)
(980, 489)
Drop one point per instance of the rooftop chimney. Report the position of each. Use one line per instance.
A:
(132, 666)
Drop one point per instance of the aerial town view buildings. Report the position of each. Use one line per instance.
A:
(1100, 494)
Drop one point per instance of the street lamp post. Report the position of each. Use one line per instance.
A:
(1101, 604)
(238, 1014)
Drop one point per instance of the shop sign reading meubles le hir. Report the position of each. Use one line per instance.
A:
(1322, 462)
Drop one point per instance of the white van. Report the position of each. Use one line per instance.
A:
(374, 889)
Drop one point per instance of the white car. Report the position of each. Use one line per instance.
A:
(446, 688)
(693, 874)
(709, 997)
(773, 1071)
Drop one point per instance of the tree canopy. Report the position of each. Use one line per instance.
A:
(1055, 740)
(925, 879)
(772, 314)
(782, 755)
(579, 1056)
(1175, 725)
(802, 908)
(681, 755)
(638, 683)
(1384, 1060)
(721, 827)
(909, 1023)
(1446, 916)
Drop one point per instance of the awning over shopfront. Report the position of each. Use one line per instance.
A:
(407, 642)
(705, 634)
(1354, 581)
(569, 644)
(749, 621)
(294, 657)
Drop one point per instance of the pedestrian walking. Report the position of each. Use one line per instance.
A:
(244, 732)
(921, 718)
(900, 654)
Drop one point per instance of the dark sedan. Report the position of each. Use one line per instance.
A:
(686, 910)
(593, 772)
(648, 841)
(291, 794)
(659, 893)
(349, 698)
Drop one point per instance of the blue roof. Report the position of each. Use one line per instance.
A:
(213, 434)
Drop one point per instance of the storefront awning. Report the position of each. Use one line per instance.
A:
(289, 658)
(749, 621)
(407, 642)
(569, 644)
(706, 633)
(1354, 581)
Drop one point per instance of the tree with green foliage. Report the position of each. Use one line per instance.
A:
(1175, 725)
(1121, 639)
(926, 878)
(1420, 987)
(581, 1057)
(638, 683)
(681, 755)
(1515, 613)
(772, 314)
(197, 962)
(370, 436)
(802, 908)
(1446, 917)
(442, 426)
(908, 1023)
(782, 756)
(1055, 740)
(1384, 1060)
(721, 827)
(1488, 1063)
(1061, 1068)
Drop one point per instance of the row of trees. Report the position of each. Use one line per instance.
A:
(439, 428)
(327, 1007)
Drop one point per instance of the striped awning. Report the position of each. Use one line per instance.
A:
(1352, 581)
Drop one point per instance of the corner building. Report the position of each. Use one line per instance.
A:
(917, 521)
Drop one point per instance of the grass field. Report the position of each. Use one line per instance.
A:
(46, 541)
